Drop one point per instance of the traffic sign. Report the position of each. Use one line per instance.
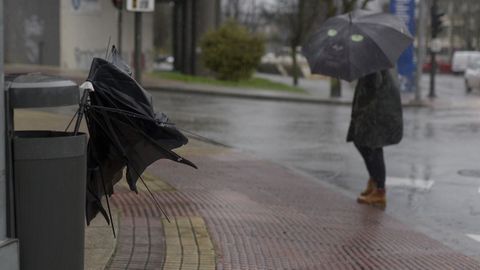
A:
(141, 5)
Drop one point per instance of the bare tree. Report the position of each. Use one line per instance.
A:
(295, 19)
(470, 22)
(232, 9)
(245, 12)
(463, 29)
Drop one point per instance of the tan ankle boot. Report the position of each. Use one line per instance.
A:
(370, 187)
(376, 198)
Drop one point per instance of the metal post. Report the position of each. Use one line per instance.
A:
(193, 48)
(119, 42)
(138, 47)
(187, 25)
(421, 47)
(433, 70)
(175, 36)
(3, 182)
(9, 259)
(433, 62)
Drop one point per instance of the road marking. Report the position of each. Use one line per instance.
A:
(475, 237)
(479, 190)
(408, 182)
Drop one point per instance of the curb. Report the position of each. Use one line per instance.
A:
(200, 89)
(264, 96)
(237, 94)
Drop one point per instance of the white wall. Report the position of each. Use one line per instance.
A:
(85, 30)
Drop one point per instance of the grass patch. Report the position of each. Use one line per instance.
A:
(253, 83)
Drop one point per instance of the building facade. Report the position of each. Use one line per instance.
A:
(69, 33)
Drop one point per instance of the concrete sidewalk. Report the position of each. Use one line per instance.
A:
(240, 212)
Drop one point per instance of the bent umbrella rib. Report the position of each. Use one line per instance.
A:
(130, 165)
(166, 151)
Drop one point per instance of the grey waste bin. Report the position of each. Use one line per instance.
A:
(48, 179)
(50, 173)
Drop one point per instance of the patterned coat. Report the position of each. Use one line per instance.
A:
(377, 119)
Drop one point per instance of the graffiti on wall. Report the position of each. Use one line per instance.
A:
(83, 58)
(33, 30)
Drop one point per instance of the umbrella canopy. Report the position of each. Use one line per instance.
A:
(125, 132)
(352, 45)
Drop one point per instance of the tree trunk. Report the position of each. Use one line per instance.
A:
(335, 87)
(294, 66)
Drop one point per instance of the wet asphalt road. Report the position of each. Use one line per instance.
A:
(434, 173)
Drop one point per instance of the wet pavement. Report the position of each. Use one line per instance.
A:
(261, 215)
(434, 176)
(239, 211)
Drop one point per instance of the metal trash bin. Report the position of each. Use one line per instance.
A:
(50, 181)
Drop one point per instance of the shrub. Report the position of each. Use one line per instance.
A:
(232, 52)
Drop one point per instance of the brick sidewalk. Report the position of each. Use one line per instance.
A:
(260, 215)
(238, 212)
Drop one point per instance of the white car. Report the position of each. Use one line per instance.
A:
(472, 76)
(462, 59)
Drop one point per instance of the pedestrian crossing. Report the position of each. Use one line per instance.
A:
(475, 237)
(410, 183)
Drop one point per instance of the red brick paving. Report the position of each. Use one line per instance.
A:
(263, 216)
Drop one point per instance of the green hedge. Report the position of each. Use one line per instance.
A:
(231, 52)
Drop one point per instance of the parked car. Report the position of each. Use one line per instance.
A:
(442, 66)
(461, 60)
(163, 63)
(472, 76)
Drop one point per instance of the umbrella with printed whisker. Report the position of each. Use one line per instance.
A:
(352, 45)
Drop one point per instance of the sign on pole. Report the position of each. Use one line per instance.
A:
(405, 9)
(141, 5)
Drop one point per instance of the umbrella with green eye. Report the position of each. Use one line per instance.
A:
(352, 45)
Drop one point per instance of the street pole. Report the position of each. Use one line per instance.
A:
(138, 48)
(9, 258)
(3, 179)
(433, 70)
(433, 64)
(421, 47)
(120, 19)
(436, 25)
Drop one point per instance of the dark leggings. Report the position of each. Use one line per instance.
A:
(373, 158)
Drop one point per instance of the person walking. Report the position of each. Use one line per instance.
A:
(377, 121)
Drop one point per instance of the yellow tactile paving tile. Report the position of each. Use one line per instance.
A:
(188, 244)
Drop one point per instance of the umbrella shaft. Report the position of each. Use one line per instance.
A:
(83, 101)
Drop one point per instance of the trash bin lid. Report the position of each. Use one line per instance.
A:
(34, 90)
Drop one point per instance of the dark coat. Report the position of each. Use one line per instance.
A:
(377, 118)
